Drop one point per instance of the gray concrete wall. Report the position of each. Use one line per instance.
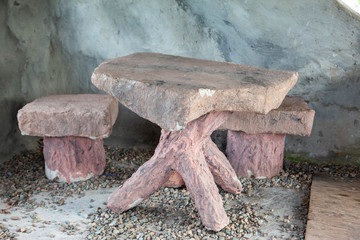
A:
(51, 47)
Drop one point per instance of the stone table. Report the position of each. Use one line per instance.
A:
(189, 99)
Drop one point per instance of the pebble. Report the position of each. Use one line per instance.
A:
(168, 214)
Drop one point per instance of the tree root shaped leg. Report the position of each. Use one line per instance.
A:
(147, 179)
(191, 153)
(200, 183)
(221, 168)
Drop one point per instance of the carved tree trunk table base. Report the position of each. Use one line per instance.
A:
(192, 154)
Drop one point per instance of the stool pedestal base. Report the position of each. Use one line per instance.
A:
(260, 155)
(71, 159)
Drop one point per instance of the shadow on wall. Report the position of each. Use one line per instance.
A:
(9, 134)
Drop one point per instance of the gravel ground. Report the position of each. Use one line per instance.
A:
(167, 214)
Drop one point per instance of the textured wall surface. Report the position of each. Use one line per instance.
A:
(52, 47)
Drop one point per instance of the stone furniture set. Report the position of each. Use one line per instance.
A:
(189, 99)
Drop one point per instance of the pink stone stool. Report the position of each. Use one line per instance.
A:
(73, 127)
(255, 142)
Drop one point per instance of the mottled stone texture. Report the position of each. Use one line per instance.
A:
(172, 91)
(191, 153)
(260, 155)
(70, 159)
(292, 117)
(83, 115)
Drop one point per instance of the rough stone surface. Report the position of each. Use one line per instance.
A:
(52, 47)
(292, 117)
(183, 151)
(71, 159)
(172, 91)
(260, 155)
(83, 115)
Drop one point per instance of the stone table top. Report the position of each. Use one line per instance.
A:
(172, 91)
(82, 115)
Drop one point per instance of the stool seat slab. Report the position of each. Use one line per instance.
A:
(81, 115)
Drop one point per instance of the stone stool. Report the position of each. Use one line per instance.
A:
(73, 127)
(255, 142)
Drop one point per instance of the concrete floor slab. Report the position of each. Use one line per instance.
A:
(334, 211)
